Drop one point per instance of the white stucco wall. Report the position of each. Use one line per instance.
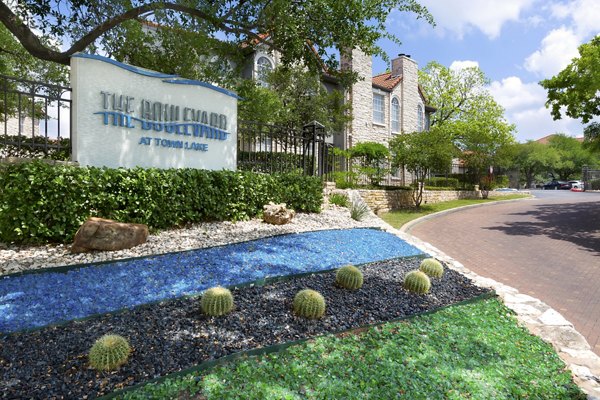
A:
(107, 136)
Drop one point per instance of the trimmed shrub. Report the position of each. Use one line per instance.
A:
(41, 202)
(216, 301)
(109, 353)
(432, 268)
(417, 282)
(309, 304)
(442, 182)
(349, 277)
(595, 184)
(338, 199)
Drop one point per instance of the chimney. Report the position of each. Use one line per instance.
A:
(398, 64)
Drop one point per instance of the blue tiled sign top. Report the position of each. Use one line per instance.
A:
(35, 300)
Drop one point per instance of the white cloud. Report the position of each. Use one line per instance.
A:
(511, 93)
(488, 16)
(525, 107)
(535, 123)
(559, 47)
(582, 13)
(462, 64)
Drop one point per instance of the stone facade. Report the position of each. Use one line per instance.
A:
(360, 96)
(402, 83)
(25, 127)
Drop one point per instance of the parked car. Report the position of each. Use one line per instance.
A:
(505, 189)
(553, 185)
(576, 184)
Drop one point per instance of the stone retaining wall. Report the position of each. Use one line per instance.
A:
(386, 200)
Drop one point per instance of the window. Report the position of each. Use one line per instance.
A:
(395, 115)
(263, 68)
(420, 121)
(378, 109)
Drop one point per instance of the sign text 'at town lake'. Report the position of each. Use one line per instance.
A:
(120, 110)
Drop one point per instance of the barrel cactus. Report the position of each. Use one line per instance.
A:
(349, 277)
(309, 304)
(109, 353)
(432, 267)
(216, 301)
(417, 281)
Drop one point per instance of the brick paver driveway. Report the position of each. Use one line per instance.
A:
(548, 247)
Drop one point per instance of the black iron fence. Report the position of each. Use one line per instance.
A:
(353, 172)
(35, 119)
(591, 178)
(279, 149)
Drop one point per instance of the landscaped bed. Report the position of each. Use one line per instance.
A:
(39, 299)
(468, 351)
(173, 335)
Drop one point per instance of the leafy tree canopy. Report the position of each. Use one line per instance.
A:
(91, 24)
(577, 87)
(534, 158)
(591, 135)
(18, 63)
(455, 93)
(571, 156)
(294, 97)
(468, 113)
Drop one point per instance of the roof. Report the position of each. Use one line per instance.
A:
(386, 81)
(546, 139)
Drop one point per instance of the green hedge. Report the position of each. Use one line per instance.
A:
(41, 202)
(595, 184)
(442, 182)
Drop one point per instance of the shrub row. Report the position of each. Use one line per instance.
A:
(442, 182)
(41, 202)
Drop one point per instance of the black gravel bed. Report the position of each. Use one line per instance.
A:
(173, 335)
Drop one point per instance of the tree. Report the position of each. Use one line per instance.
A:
(293, 98)
(420, 153)
(15, 62)
(469, 113)
(577, 86)
(453, 92)
(534, 158)
(480, 134)
(324, 24)
(591, 137)
(571, 156)
(372, 158)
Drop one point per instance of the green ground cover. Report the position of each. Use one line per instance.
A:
(400, 217)
(471, 351)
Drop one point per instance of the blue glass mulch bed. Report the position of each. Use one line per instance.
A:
(35, 300)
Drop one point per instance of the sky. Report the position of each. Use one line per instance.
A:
(516, 43)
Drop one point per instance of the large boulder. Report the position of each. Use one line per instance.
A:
(277, 214)
(108, 235)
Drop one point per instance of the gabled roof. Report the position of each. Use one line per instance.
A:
(546, 139)
(386, 81)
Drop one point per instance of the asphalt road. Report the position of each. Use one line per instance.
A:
(547, 247)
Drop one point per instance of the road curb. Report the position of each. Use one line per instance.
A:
(536, 316)
(411, 224)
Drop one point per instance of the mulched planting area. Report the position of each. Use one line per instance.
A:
(39, 299)
(173, 335)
